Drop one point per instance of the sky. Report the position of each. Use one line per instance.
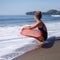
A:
(20, 7)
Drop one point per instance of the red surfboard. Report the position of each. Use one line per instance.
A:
(31, 33)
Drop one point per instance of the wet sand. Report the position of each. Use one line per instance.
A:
(52, 53)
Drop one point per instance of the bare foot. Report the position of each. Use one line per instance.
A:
(40, 44)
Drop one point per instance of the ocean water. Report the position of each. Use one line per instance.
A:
(12, 43)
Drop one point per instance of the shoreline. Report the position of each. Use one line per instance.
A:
(52, 53)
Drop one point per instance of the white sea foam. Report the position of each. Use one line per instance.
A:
(55, 15)
(13, 44)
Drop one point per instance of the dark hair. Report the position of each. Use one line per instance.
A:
(38, 14)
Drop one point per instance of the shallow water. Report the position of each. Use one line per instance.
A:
(12, 44)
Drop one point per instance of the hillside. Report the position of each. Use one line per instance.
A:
(50, 12)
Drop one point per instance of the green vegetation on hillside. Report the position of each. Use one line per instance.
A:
(50, 12)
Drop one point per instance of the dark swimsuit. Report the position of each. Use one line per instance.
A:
(45, 34)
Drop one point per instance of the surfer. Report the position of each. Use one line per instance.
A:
(44, 42)
(40, 25)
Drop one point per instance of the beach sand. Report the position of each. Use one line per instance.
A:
(52, 53)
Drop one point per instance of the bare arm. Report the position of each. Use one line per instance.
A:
(35, 25)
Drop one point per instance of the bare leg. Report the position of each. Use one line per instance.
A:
(41, 39)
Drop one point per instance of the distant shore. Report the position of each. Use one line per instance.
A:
(49, 12)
